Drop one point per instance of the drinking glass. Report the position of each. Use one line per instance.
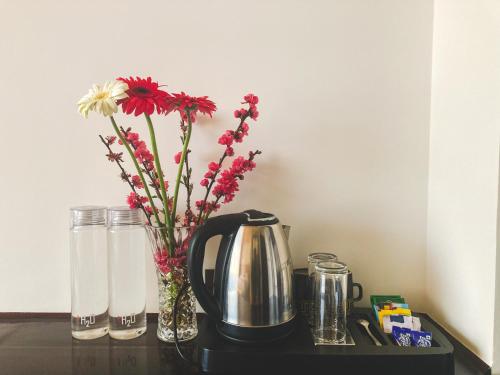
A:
(312, 260)
(330, 322)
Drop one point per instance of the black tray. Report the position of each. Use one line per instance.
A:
(298, 354)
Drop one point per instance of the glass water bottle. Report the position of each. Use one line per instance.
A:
(127, 273)
(89, 271)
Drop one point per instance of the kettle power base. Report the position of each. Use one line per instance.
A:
(298, 354)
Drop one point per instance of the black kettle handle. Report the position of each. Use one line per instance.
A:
(218, 225)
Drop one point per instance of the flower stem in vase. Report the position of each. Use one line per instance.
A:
(181, 163)
(137, 167)
(161, 181)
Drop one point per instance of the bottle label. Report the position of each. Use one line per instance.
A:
(87, 321)
(128, 320)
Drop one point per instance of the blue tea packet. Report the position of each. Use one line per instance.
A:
(421, 339)
(402, 336)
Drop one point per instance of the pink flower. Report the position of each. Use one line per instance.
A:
(213, 166)
(204, 182)
(240, 113)
(209, 174)
(208, 206)
(212, 206)
(227, 183)
(137, 182)
(182, 102)
(161, 261)
(229, 151)
(157, 183)
(135, 200)
(177, 157)
(132, 137)
(226, 138)
(149, 165)
(199, 204)
(178, 261)
(251, 99)
(142, 154)
(254, 113)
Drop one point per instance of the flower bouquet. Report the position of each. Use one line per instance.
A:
(168, 226)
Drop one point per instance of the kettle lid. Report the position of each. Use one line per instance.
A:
(255, 217)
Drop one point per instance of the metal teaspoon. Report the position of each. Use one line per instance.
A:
(365, 323)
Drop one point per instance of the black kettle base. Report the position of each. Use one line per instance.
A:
(245, 335)
(298, 354)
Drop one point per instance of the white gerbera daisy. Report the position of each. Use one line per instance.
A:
(103, 99)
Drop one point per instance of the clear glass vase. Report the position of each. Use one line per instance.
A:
(170, 254)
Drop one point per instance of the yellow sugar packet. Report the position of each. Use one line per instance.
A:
(396, 311)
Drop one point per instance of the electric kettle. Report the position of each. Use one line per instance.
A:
(253, 291)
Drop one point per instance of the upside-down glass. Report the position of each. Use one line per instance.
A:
(330, 322)
(89, 272)
(127, 273)
(312, 260)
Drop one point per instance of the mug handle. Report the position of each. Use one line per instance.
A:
(360, 292)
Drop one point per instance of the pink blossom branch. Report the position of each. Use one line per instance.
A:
(113, 157)
(151, 173)
(213, 178)
(236, 172)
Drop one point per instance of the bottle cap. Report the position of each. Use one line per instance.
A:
(87, 215)
(123, 215)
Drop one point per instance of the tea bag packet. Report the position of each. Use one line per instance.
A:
(380, 302)
(395, 318)
(402, 321)
(398, 305)
(376, 299)
(396, 311)
(416, 325)
(402, 336)
(421, 339)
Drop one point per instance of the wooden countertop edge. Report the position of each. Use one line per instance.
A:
(466, 355)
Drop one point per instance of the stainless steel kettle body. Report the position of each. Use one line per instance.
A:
(253, 292)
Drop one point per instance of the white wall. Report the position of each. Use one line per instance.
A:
(496, 337)
(463, 170)
(344, 88)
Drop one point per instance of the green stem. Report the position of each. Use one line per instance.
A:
(139, 170)
(162, 185)
(181, 163)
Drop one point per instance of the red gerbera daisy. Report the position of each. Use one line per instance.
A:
(182, 102)
(143, 96)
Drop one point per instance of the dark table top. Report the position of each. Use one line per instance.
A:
(39, 345)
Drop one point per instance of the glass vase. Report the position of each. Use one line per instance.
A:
(170, 256)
